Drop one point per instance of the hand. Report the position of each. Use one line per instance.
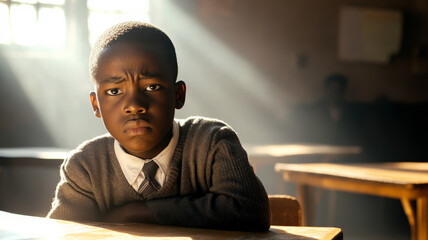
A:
(131, 212)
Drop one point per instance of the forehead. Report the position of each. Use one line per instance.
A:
(131, 56)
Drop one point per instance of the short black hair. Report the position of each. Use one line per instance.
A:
(137, 32)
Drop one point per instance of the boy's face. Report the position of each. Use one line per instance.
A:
(136, 96)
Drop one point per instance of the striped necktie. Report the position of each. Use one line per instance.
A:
(149, 185)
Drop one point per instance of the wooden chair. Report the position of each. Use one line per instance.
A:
(285, 211)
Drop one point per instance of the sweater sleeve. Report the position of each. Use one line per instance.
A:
(236, 199)
(74, 199)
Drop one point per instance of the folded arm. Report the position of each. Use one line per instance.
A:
(73, 202)
(235, 198)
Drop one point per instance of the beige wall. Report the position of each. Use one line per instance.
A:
(241, 60)
(274, 34)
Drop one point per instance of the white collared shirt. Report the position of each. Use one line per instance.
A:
(132, 166)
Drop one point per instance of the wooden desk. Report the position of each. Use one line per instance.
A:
(34, 152)
(32, 156)
(14, 226)
(407, 181)
(28, 178)
(270, 154)
(283, 150)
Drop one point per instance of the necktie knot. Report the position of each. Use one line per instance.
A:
(150, 169)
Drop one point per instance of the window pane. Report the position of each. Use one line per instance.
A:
(105, 5)
(98, 22)
(4, 24)
(51, 29)
(135, 6)
(105, 13)
(122, 6)
(57, 2)
(23, 21)
(25, 1)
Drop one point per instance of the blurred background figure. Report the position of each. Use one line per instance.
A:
(335, 87)
(330, 120)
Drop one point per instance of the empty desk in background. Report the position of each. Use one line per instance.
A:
(406, 181)
(14, 226)
(28, 177)
(268, 155)
(271, 154)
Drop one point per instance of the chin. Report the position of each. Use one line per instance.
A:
(139, 150)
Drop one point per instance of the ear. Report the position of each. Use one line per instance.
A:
(180, 94)
(94, 103)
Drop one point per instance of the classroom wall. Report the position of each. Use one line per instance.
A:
(295, 44)
(246, 62)
(259, 64)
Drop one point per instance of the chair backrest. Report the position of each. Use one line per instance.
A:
(285, 211)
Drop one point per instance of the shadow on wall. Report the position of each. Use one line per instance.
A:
(20, 124)
(386, 130)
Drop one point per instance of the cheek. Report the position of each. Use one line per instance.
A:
(164, 102)
(110, 112)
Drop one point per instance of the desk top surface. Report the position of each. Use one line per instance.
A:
(283, 150)
(15, 226)
(410, 174)
(279, 150)
(34, 152)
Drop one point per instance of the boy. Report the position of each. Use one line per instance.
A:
(150, 167)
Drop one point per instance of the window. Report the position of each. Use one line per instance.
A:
(51, 24)
(105, 13)
(33, 23)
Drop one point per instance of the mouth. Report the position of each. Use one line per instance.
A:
(135, 127)
(137, 131)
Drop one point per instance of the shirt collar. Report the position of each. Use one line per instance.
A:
(132, 166)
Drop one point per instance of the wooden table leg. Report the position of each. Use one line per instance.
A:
(422, 218)
(410, 213)
(331, 209)
(305, 195)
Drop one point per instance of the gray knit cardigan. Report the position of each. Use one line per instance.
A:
(210, 183)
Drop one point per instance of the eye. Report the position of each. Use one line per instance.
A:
(152, 87)
(114, 92)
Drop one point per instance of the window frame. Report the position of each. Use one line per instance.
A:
(77, 32)
(14, 49)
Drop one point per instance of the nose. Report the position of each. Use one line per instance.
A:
(135, 103)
